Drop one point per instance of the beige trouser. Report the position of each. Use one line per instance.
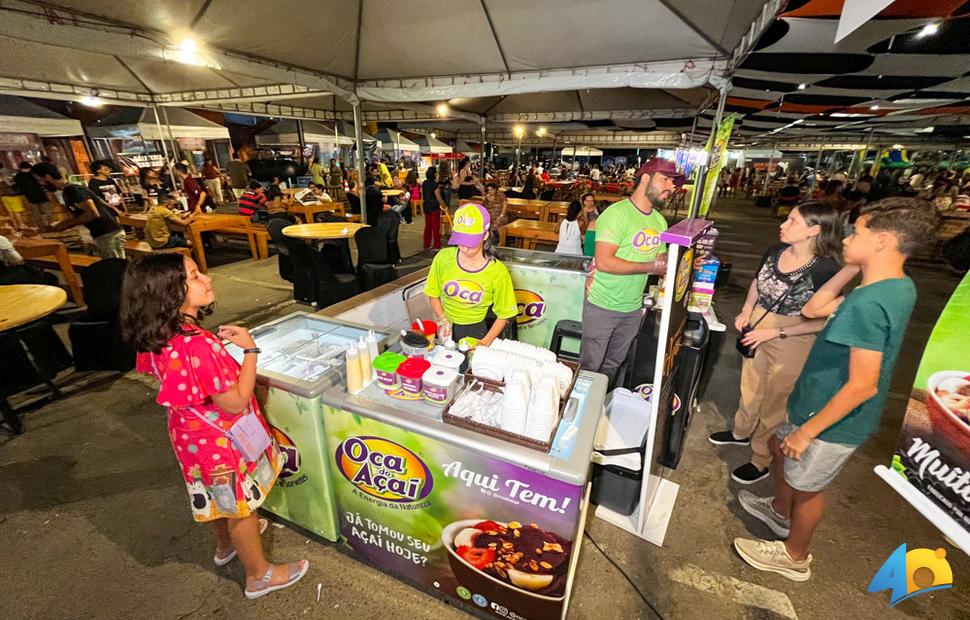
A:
(214, 188)
(767, 379)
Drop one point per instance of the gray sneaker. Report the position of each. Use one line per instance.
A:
(773, 556)
(760, 508)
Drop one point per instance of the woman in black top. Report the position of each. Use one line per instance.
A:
(529, 189)
(467, 187)
(790, 273)
(432, 195)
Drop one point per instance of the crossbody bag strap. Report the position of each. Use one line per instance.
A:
(777, 303)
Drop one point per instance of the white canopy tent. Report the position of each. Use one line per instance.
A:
(129, 122)
(17, 115)
(581, 151)
(347, 129)
(463, 147)
(431, 145)
(392, 139)
(287, 132)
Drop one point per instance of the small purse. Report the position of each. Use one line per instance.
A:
(748, 351)
(247, 434)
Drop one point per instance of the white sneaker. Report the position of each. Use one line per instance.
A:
(761, 509)
(773, 556)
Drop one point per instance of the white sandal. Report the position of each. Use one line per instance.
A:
(222, 560)
(296, 572)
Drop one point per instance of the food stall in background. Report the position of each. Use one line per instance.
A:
(466, 472)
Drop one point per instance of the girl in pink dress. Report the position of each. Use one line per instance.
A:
(228, 460)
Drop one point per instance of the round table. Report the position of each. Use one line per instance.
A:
(22, 303)
(327, 230)
(392, 192)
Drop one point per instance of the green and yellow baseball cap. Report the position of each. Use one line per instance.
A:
(471, 222)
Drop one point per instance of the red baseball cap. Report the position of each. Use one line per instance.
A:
(664, 167)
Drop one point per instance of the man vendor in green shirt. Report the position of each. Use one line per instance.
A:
(628, 249)
(464, 282)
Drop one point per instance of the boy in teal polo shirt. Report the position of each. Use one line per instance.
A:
(628, 249)
(839, 396)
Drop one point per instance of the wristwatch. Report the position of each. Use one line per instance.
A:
(781, 333)
(255, 350)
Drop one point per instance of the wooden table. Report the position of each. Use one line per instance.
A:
(392, 193)
(306, 212)
(213, 222)
(22, 303)
(322, 231)
(528, 209)
(37, 247)
(555, 211)
(528, 232)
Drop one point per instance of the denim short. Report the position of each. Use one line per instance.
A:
(819, 465)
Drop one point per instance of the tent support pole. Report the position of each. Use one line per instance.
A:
(483, 148)
(300, 136)
(771, 159)
(358, 138)
(168, 160)
(695, 204)
(171, 137)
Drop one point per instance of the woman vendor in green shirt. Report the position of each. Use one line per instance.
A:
(465, 281)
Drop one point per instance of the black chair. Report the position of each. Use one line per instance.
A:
(304, 274)
(96, 336)
(549, 194)
(275, 228)
(337, 251)
(353, 203)
(327, 217)
(331, 287)
(569, 329)
(390, 224)
(32, 354)
(373, 264)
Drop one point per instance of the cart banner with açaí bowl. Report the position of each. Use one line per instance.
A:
(934, 449)
(469, 527)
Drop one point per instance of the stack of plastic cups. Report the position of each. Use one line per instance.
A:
(543, 407)
(515, 403)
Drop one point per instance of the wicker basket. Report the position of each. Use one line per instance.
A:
(498, 433)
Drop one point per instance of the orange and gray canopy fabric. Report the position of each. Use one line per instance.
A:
(599, 67)
(885, 77)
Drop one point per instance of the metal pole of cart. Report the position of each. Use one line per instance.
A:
(358, 137)
(168, 160)
(699, 183)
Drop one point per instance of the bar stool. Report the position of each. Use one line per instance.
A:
(566, 328)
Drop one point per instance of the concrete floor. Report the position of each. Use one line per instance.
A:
(93, 522)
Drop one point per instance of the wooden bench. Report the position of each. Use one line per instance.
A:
(134, 247)
(78, 261)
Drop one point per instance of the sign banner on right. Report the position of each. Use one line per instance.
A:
(934, 450)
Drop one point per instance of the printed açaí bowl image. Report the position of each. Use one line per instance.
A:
(948, 405)
(519, 565)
